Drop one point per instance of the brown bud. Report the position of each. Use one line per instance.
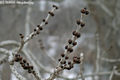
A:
(27, 64)
(17, 55)
(51, 13)
(21, 36)
(20, 58)
(40, 28)
(77, 35)
(24, 61)
(78, 22)
(37, 32)
(33, 72)
(70, 50)
(64, 62)
(59, 59)
(82, 24)
(25, 67)
(16, 59)
(46, 23)
(62, 66)
(43, 20)
(74, 33)
(29, 71)
(21, 62)
(31, 67)
(69, 62)
(34, 29)
(66, 57)
(83, 11)
(69, 41)
(87, 12)
(74, 43)
(62, 54)
(66, 47)
(55, 6)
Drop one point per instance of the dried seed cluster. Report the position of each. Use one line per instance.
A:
(25, 65)
(64, 61)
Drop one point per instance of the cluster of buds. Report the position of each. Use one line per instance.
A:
(45, 21)
(84, 11)
(76, 60)
(38, 29)
(25, 65)
(64, 63)
(21, 36)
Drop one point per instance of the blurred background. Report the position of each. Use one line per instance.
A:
(99, 41)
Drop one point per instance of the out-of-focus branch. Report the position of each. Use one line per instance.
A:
(110, 60)
(38, 62)
(112, 73)
(92, 74)
(53, 61)
(27, 23)
(81, 66)
(9, 42)
(14, 71)
(98, 53)
(3, 59)
(10, 54)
